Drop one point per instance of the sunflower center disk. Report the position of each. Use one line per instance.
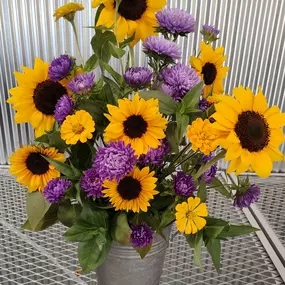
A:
(37, 164)
(135, 126)
(252, 130)
(129, 188)
(46, 95)
(210, 72)
(132, 9)
(77, 129)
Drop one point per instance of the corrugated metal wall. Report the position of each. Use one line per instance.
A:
(252, 32)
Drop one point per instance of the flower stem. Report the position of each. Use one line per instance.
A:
(203, 168)
(77, 42)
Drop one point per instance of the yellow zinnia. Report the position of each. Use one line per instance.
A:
(133, 192)
(77, 127)
(250, 131)
(36, 96)
(189, 216)
(202, 136)
(209, 67)
(67, 11)
(31, 169)
(133, 17)
(136, 122)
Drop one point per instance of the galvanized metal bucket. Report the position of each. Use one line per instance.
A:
(123, 265)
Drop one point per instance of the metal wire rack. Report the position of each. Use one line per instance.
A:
(45, 258)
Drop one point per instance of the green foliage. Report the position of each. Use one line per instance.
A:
(114, 92)
(91, 63)
(116, 52)
(220, 187)
(167, 217)
(118, 77)
(98, 12)
(237, 230)
(202, 191)
(95, 93)
(143, 251)
(120, 229)
(41, 214)
(198, 248)
(170, 136)
(68, 212)
(182, 123)
(214, 248)
(167, 105)
(127, 41)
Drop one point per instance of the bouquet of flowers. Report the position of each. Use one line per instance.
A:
(123, 156)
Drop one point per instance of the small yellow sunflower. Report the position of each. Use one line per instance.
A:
(209, 67)
(136, 122)
(67, 11)
(133, 17)
(77, 127)
(202, 136)
(133, 192)
(36, 96)
(250, 131)
(31, 169)
(189, 216)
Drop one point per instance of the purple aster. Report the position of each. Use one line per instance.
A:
(141, 236)
(91, 183)
(176, 21)
(161, 47)
(178, 80)
(210, 33)
(60, 67)
(245, 199)
(155, 156)
(138, 77)
(204, 105)
(82, 83)
(184, 184)
(211, 172)
(114, 161)
(55, 188)
(63, 108)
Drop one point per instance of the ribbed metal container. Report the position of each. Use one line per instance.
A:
(123, 265)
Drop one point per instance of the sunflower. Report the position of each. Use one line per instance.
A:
(133, 17)
(189, 216)
(36, 96)
(31, 169)
(136, 122)
(67, 11)
(210, 68)
(133, 192)
(77, 127)
(250, 131)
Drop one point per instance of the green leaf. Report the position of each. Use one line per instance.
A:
(37, 206)
(43, 139)
(118, 77)
(220, 187)
(78, 193)
(116, 52)
(182, 123)
(94, 216)
(191, 99)
(92, 253)
(97, 89)
(114, 92)
(213, 231)
(214, 248)
(202, 191)
(61, 167)
(168, 217)
(191, 240)
(68, 212)
(198, 248)
(143, 251)
(126, 42)
(98, 12)
(91, 63)
(216, 222)
(166, 104)
(56, 141)
(170, 136)
(120, 229)
(237, 230)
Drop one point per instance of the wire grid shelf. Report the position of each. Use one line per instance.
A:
(45, 258)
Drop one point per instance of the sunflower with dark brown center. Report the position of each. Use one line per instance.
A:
(36, 96)
(209, 66)
(134, 16)
(133, 192)
(136, 122)
(32, 169)
(250, 131)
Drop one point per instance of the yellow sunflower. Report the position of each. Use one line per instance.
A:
(136, 122)
(209, 67)
(133, 17)
(36, 96)
(77, 127)
(250, 131)
(133, 192)
(31, 169)
(67, 11)
(189, 216)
